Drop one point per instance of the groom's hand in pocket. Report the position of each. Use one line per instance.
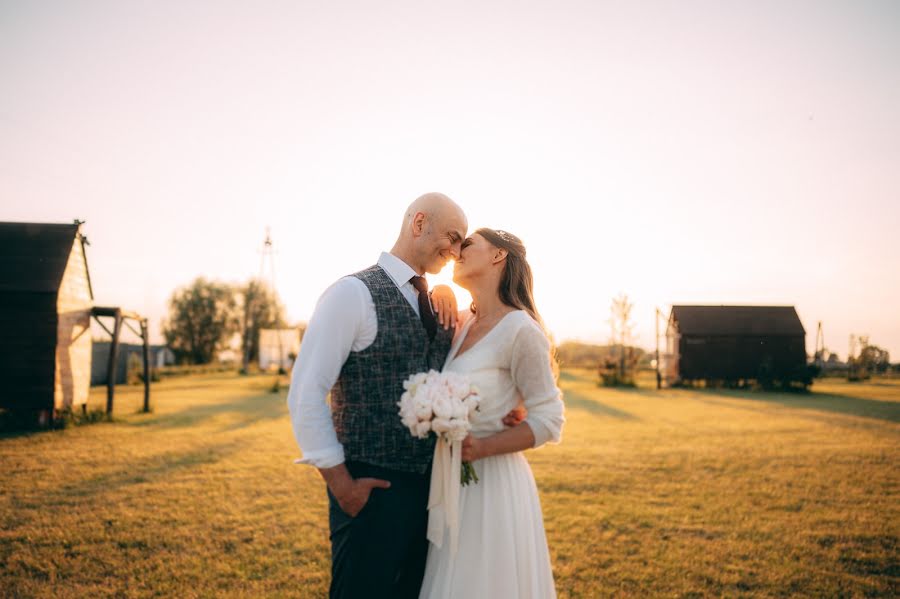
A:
(356, 496)
(352, 494)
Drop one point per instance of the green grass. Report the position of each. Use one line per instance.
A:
(669, 493)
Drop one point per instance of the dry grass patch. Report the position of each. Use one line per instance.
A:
(672, 493)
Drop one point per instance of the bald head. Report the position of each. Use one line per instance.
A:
(435, 206)
(434, 227)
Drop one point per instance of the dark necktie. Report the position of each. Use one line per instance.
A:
(425, 312)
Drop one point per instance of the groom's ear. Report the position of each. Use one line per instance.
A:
(418, 223)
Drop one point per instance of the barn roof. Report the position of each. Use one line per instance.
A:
(33, 256)
(737, 320)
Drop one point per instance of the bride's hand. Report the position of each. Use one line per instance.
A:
(443, 301)
(473, 449)
(515, 416)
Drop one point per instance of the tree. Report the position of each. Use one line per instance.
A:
(621, 332)
(260, 309)
(201, 318)
(874, 359)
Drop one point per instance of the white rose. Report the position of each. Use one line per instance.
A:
(451, 379)
(422, 408)
(459, 429)
(410, 421)
(471, 403)
(433, 391)
(413, 383)
(459, 386)
(440, 425)
(407, 409)
(442, 408)
(460, 410)
(422, 429)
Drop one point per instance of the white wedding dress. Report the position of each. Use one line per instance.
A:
(502, 548)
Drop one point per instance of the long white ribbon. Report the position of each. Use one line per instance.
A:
(443, 495)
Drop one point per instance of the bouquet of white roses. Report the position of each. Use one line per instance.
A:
(440, 402)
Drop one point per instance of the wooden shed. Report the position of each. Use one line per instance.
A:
(45, 315)
(735, 345)
(128, 356)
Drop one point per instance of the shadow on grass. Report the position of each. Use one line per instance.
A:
(248, 410)
(815, 401)
(13, 428)
(823, 402)
(570, 376)
(146, 470)
(649, 392)
(591, 379)
(16, 424)
(579, 401)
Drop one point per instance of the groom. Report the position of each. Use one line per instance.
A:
(369, 332)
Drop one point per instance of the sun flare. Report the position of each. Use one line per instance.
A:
(445, 277)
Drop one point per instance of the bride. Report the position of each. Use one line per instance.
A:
(490, 542)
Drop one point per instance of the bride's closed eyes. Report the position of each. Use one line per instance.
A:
(466, 243)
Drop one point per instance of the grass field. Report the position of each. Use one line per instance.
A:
(688, 493)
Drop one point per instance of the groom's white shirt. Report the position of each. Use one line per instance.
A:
(344, 320)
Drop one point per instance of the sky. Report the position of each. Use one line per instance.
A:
(678, 152)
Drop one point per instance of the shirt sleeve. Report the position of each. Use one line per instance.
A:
(532, 372)
(337, 321)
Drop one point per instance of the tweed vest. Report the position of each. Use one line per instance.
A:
(364, 399)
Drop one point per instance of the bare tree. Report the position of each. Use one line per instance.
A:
(621, 335)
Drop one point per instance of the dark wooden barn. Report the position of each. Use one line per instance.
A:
(735, 345)
(46, 306)
(45, 316)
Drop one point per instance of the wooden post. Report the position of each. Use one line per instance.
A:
(658, 377)
(113, 352)
(145, 335)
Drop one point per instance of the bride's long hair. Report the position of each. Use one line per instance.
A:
(517, 283)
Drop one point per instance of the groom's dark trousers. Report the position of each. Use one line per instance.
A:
(380, 552)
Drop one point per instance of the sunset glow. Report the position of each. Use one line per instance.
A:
(730, 153)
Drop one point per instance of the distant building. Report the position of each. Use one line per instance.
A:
(734, 345)
(160, 356)
(278, 348)
(45, 316)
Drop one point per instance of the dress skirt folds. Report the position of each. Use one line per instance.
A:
(502, 548)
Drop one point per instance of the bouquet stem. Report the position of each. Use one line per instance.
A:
(467, 475)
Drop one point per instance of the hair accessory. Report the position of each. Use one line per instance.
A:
(508, 237)
(515, 243)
